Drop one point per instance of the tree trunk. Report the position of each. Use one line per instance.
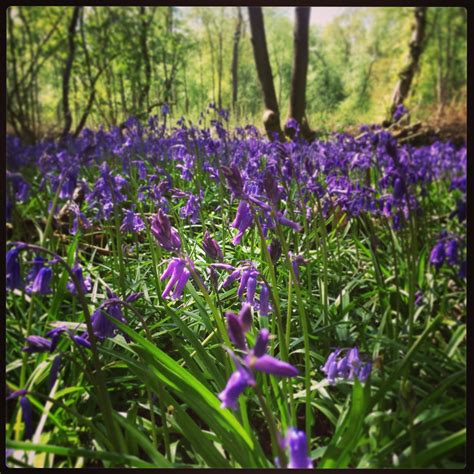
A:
(271, 117)
(300, 69)
(67, 70)
(416, 47)
(144, 101)
(235, 59)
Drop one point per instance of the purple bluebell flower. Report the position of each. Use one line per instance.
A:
(37, 264)
(243, 220)
(346, 367)
(16, 394)
(234, 180)
(13, 269)
(42, 281)
(437, 255)
(261, 343)
(365, 372)
(236, 332)
(55, 335)
(102, 325)
(82, 340)
(54, 371)
(191, 209)
(298, 449)
(271, 187)
(289, 223)
(296, 262)
(80, 220)
(271, 365)
(237, 383)
(330, 367)
(165, 109)
(179, 275)
(86, 284)
(134, 297)
(211, 247)
(36, 344)
(399, 188)
(27, 417)
(166, 235)
(264, 300)
(132, 222)
(451, 250)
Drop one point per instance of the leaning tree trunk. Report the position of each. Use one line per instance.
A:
(416, 47)
(271, 117)
(67, 70)
(235, 60)
(300, 69)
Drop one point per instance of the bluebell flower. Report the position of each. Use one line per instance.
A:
(243, 220)
(211, 247)
(36, 344)
(86, 284)
(347, 366)
(237, 383)
(42, 281)
(166, 235)
(13, 269)
(132, 222)
(451, 251)
(234, 180)
(27, 417)
(437, 255)
(54, 371)
(178, 276)
(298, 450)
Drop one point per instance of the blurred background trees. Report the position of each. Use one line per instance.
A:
(132, 60)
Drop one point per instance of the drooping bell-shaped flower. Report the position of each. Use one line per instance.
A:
(27, 417)
(243, 220)
(451, 250)
(264, 300)
(36, 344)
(42, 281)
(13, 269)
(86, 284)
(178, 276)
(298, 450)
(234, 180)
(237, 383)
(437, 255)
(132, 222)
(211, 247)
(166, 235)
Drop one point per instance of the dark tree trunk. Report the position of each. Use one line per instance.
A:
(271, 117)
(300, 68)
(416, 47)
(235, 59)
(67, 70)
(143, 100)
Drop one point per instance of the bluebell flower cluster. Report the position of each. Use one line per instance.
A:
(346, 364)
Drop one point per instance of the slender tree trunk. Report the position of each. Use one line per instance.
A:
(211, 47)
(300, 68)
(67, 70)
(271, 117)
(235, 59)
(220, 60)
(144, 101)
(416, 47)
